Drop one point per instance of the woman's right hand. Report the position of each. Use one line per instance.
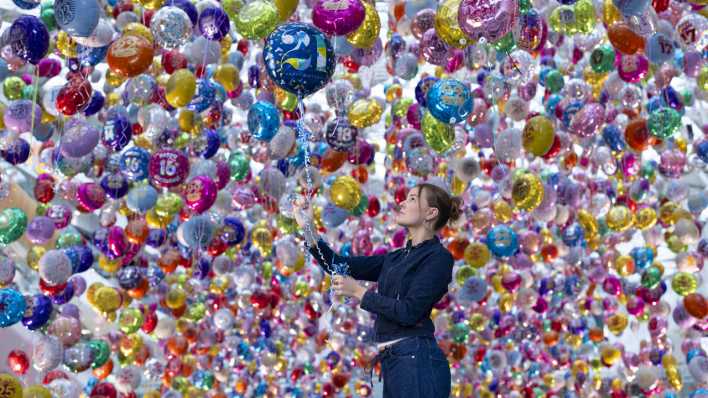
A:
(302, 212)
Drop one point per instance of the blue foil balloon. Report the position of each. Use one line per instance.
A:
(77, 17)
(203, 97)
(263, 120)
(134, 163)
(449, 101)
(29, 38)
(40, 311)
(141, 199)
(117, 132)
(659, 48)
(299, 58)
(422, 89)
(631, 7)
(12, 307)
(502, 241)
(333, 216)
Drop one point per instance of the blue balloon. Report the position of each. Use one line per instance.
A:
(141, 199)
(77, 17)
(449, 101)
(196, 231)
(12, 307)
(26, 5)
(29, 38)
(263, 120)
(631, 7)
(299, 58)
(660, 48)
(474, 289)
(115, 185)
(204, 96)
(422, 89)
(117, 132)
(134, 163)
(502, 241)
(333, 216)
(40, 313)
(96, 103)
(91, 55)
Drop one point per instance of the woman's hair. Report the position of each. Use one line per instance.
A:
(449, 207)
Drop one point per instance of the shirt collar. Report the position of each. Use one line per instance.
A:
(409, 243)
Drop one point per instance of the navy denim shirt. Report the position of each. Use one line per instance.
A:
(410, 281)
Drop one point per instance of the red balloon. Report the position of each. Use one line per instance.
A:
(75, 96)
(18, 362)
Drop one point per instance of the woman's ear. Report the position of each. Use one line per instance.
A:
(435, 213)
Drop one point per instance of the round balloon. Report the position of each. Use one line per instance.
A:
(449, 101)
(491, 19)
(77, 17)
(299, 58)
(29, 38)
(171, 27)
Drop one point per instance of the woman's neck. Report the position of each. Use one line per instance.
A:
(420, 234)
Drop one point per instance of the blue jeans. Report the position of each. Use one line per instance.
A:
(415, 367)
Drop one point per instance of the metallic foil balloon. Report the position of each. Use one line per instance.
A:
(491, 19)
(439, 135)
(366, 34)
(171, 27)
(338, 17)
(449, 101)
(299, 58)
(77, 17)
(29, 38)
(263, 120)
(257, 19)
(345, 192)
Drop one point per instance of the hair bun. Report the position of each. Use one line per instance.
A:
(456, 209)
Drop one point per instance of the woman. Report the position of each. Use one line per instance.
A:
(410, 281)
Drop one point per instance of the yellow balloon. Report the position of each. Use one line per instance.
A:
(66, 45)
(345, 192)
(463, 274)
(262, 239)
(285, 99)
(180, 88)
(10, 386)
(286, 8)
(228, 76)
(538, 135)
(527, 191)
(366, 34)
(256, 19)
(588, 222)
(617, 323)
(476, 254)
(440, 136)
(447, 25)
(175, 297)
(107, 299)
(150, 4)
(620, 218)
(364, 113)
(610, 13)
(610, 355)
(138, 29)
(36, 391)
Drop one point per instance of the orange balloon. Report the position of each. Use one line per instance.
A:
(696, 305)
(624, 39)
(130, 55)
(137, 231)
(636, 134)
(102, 372)
(457, 248)
(333, 160)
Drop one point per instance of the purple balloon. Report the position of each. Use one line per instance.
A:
(487, 18)
(338, 17)
(79, 138)
(214, 23)
(40, 230)
(19, 114)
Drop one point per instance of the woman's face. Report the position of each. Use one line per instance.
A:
(412, 213)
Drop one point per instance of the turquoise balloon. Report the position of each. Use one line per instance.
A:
(13, 223)
(12, 307)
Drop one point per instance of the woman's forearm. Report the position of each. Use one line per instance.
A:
(311, 235)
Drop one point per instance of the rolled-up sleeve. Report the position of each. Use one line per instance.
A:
(427, 288)
(365, 268)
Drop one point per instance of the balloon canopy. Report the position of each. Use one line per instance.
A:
(151, 152)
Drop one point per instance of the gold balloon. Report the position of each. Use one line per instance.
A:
(366, 34)
(10, 386)
(447, 25)
(66, 45)
(228, 76)
(538, 135)
(285, 99)
(476, 254)
(646, 218)
(107, 299)
(588, 222)
(36, 391)
(345, 192)
(527, 191)
(617, 323)
(262, 239)
(150, 4)
(138, 29)
(439, 136)
(620, 218)
(180, 88)
(364, 113)
(286, 8)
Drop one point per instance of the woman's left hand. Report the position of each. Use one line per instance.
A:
(347, 286)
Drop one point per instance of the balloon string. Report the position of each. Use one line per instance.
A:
(34, 98)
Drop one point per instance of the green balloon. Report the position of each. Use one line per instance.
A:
(439, 135)
(362, 206)
(651, 277)
(664, 122)
(257, 19)
(101, 352)
(602, 59)
(13, 223)
(239, 165)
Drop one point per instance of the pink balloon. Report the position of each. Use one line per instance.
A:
(491, 19)
(338, 17)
